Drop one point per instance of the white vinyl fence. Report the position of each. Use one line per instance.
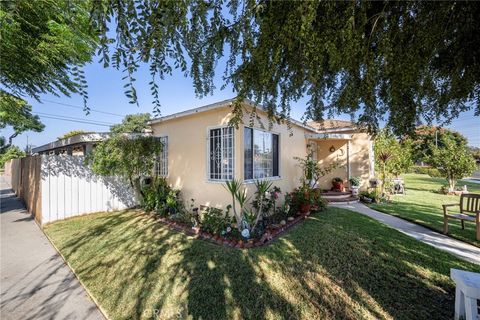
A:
(68, 188)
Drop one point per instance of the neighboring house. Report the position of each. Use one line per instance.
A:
(77, 145)
(202, 152)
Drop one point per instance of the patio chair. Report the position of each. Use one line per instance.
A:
(398, 187)
(469, 211)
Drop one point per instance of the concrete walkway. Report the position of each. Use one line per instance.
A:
(35, 282)
(459, 248)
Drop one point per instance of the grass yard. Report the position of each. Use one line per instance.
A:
(423, 205)
(337, 264)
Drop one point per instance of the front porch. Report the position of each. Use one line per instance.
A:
(352, 151)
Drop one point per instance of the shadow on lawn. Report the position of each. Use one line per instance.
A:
(335, 265)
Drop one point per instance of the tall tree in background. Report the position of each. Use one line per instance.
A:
(10, 153)
(454, 161)
(17, 114)
(132, 123)
(426, 138)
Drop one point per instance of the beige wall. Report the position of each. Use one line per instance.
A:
(359, 158)
(187, 158)
(187, 147)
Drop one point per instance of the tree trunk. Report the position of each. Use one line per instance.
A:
(451, 183)
(382, 190)
(135, 183)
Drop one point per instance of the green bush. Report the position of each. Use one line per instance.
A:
(420, 169)
(214, 221)
(434, 173)
(161, 198)
(372, 195)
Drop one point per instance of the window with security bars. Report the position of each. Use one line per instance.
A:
(260, 154)
(221, 154)
(161, 165)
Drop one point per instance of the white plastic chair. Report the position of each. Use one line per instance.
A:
(467, 292)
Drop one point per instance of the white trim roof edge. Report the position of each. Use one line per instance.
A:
(218, 105)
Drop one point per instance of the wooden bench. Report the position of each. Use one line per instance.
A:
(469, 211)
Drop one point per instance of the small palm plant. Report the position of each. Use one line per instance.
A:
(234, 187)
(263, 188)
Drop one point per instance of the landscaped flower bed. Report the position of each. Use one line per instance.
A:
(249, 221)
(272, 233)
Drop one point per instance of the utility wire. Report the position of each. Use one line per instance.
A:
(79, 107)
(78, 121)
(73, 118)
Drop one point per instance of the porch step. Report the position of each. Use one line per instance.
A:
(336, 195)
(344, 200)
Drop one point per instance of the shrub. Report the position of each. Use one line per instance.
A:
(214, 221)
(319, 202)
(434, 173)
(372, 195)
(161, 198)
(300, 196)
(420, 169)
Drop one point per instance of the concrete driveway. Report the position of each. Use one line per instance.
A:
(35, 282)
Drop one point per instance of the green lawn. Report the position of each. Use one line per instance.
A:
(337, 264)
(424, 206)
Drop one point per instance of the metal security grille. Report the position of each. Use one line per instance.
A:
(161, 165)
(221, 154)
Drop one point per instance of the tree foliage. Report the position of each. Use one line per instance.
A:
(16, 113)
(132, 123)
(392, 157)
(13, 152)
(427, 137)
(129, 157)
(44, 44)
(127, 153)
(72, 133)
(407, 61)
(454, 161)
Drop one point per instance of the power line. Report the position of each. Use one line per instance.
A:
(73, 118)
(79, 107)
(78, 121)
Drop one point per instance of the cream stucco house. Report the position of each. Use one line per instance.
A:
(202, 151)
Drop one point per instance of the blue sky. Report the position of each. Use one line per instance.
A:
(176, 94)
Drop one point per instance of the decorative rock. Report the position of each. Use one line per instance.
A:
(283, 222)
(196, 230)
(265, 237)
(290, 218)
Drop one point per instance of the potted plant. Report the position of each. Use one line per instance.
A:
(301, 200)
(354, 185)
(337, 184)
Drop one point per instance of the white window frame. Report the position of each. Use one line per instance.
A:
(277, 177)
(161, 163)
(208, 156)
